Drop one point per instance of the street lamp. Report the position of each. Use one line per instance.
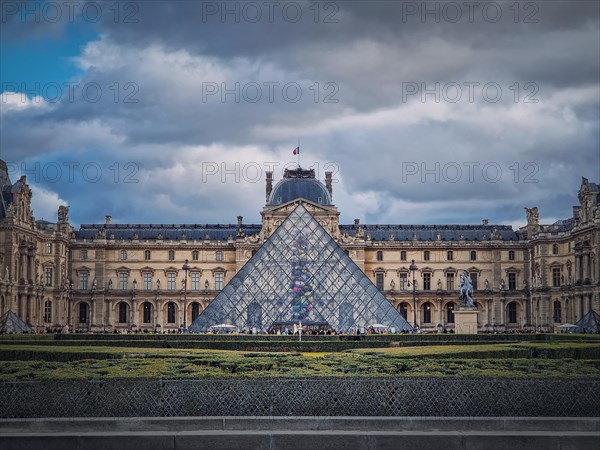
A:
(413, 269)
(186, 269)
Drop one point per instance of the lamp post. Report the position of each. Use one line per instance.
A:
(186, 269)
(413, 269)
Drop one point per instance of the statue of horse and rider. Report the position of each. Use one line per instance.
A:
(466, 290)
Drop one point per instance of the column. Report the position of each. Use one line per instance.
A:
(132, 316)
(159, 315)
(107, 321)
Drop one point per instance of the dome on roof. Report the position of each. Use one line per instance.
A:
(300, 184)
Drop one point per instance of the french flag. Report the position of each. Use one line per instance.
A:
(297, 150)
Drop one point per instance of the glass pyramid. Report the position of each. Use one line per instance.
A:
(300, 274)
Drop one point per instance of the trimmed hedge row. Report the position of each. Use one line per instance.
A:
(64, 354)
(321, 346)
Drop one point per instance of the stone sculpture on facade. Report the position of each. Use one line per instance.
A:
(466, 290)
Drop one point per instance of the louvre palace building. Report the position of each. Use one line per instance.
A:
(299, 264)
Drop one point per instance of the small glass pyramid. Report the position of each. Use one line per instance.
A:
(300, 274)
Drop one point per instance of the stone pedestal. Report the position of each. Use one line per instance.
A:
(465, 320)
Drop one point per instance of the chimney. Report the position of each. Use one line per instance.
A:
(240, 218)
(108, 219)
(328, 181)
(356, 221)
(485, 221)
(269, 185)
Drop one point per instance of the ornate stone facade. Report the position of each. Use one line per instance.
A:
(133, 276)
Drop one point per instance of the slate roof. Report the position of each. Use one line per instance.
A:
(563, 225)
(171, 232)
(222, 232)
(430, 232)
(593, 187)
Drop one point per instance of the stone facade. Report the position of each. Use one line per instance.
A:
(134, 276)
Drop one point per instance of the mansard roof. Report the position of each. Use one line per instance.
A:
(430, 232)
(593, 187)
(215, 232)
(220, 232)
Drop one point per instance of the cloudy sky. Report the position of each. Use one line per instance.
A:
(426, 112)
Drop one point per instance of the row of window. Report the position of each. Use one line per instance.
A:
(379, 255)
(171, 255)
(555, 249)
(427, 308)
(449, 255)
(84, 312)
(171, 310)
(450, 281)
(147, 281)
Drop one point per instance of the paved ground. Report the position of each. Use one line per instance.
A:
(320, 433)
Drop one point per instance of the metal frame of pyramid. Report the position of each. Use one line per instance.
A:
(300, 274)
(11, 323)
(590, 323)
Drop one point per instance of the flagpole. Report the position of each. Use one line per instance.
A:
(298, 153)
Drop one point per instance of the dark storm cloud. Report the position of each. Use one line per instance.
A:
(168, 51)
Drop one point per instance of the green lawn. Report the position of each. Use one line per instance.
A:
(515, 360)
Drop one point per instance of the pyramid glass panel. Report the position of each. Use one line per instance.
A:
(300, 275)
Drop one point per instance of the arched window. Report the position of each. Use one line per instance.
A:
(555, 249)
(122, 312)
(195, 310)
(403, 255)
(379, 255)
(512, 312)
(450, 312)
(403, 309)
(195, 255)
(171, 255)
(171, 312)
(83, 312)
(557, 312)
(47, 311)
(473, 255)
(427, 313)
(450, 255)
(147, 255)
(147, 312)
